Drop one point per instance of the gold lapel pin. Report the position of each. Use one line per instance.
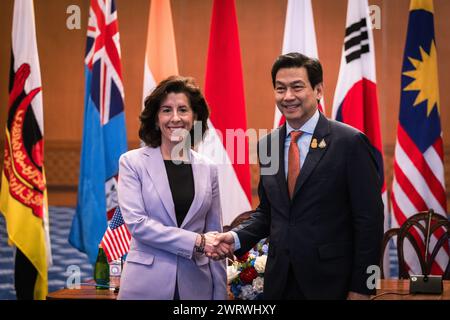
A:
(322, 144)
(314, 143)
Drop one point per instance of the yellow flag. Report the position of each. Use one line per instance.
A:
(23, 198)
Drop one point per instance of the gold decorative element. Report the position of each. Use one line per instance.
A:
(322, 144)
(425, 77)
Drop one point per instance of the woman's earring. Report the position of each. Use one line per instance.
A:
(156, 127)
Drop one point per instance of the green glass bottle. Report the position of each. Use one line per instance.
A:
(101, 270)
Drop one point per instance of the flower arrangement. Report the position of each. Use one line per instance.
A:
(246, 274)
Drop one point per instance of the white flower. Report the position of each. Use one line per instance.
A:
(247, 292)
(258, 284)
(232, 273)
(260, 264)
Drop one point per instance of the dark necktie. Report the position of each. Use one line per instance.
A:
(293, 162)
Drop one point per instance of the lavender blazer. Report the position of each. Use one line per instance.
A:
(161, 252)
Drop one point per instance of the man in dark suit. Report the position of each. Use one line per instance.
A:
(320, 196)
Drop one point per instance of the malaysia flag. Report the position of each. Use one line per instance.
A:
(419, 182)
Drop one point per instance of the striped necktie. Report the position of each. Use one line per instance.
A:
(293, 162)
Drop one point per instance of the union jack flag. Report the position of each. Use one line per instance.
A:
(116, 241)
(104, 133)
(103, 59)
(418, 183)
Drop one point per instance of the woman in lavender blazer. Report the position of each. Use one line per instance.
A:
(170, 208)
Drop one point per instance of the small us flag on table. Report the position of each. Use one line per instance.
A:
(116, 240)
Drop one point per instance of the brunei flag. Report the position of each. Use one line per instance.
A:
(23, 199)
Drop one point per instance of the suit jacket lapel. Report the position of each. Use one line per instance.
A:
(157, 171)
(314, 154)
(200, 173)
(281, 176)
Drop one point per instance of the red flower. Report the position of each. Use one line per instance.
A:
(248, 274)
(243, 258)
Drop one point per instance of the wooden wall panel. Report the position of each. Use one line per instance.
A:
(261, 25)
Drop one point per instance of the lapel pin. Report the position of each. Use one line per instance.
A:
(314, 143)
(322, 144)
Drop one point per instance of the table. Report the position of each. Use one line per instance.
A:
(391, 289)
(394, 289)
(84, 293)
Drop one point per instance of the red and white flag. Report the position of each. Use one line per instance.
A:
(355, 99)
(224, 92)
(299, 36)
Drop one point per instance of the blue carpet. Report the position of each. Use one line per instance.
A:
(64, 255)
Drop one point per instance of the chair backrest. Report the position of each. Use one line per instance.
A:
(423, 225)
(238, 220)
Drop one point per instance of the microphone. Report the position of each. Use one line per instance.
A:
(426, 283)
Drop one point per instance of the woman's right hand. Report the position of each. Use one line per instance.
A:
(217, 250)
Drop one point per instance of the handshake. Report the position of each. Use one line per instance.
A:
(215, 245)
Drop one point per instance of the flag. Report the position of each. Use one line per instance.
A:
(355, 99)
(419, 183)
(160, 63)
(160, 53)
(23, 196)
(299, 36)
(104, 134)
(224, 92)
(117, 238)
